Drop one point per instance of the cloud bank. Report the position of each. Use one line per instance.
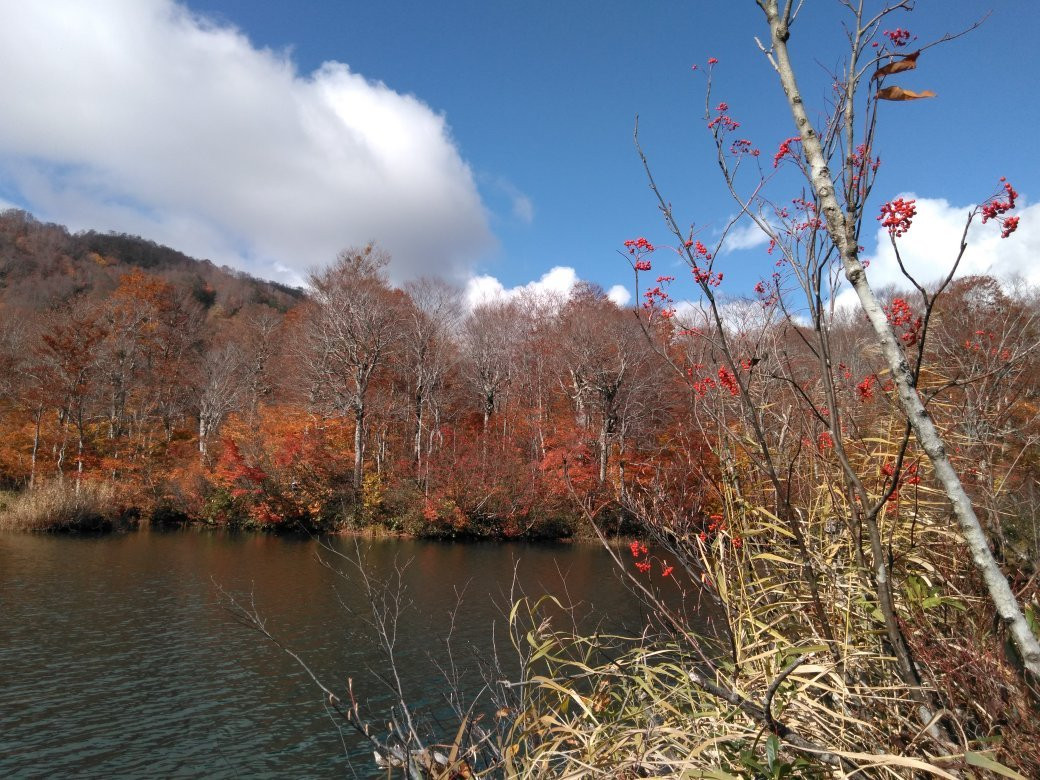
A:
(140, 116)
(555, 284)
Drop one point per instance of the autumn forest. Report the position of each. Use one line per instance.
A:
(821, 486)
(156, 387)
(186, 392)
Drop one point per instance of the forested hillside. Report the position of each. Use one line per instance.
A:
(44, 265)
(184, 391)
(150, 384)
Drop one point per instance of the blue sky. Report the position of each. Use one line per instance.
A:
(526, 109)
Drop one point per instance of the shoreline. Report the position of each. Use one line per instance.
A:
(118, 524)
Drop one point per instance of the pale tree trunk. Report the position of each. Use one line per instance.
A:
(79, 448)
(359, 440)
(59, 459)
(606, 431)
(842, 233)
(418, 414)
(489, 406)
(35, 447)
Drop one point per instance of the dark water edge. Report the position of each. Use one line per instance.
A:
(118, 657)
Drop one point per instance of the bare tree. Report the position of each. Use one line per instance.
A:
(606, 356)
(430, 324)
(352, 332)
(221, 390)
(258, 347)
(70, 344)
(488, 338)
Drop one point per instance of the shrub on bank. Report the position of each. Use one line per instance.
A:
(55, 506)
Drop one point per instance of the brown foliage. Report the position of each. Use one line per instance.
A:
(909, 62)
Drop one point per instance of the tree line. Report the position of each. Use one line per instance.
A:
(358, 403)
(361, 403)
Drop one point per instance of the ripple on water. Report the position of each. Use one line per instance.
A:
(119, 659)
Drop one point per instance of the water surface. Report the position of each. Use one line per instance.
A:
(119, 658)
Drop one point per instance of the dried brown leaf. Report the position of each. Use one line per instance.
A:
(909, 62)
(898, 93)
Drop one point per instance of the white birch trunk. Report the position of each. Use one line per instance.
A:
(842, 233)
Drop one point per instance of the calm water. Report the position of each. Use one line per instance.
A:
(118, 657)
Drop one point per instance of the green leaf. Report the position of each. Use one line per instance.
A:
(983, 761)
(772, 751)
(1031, 620)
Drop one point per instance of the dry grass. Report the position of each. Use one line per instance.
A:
(793, 703)
(57, 507)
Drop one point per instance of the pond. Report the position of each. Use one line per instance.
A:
(119, 656)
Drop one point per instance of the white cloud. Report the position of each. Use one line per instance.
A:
(739, 315)
(557, 283)
(747, 235)
(520, 205)
(930, 247)
(523, 208)
(558, 280)
(620, 295)
(484, 289)
(139, 116)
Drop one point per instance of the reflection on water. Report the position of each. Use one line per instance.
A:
(118, 657)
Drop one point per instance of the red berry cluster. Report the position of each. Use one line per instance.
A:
(865, 389)
(698, 252)
(710, 278)
(728, 381)
(896, 216)
(860, 162)
(900, 315)
(638, 245)
(810, 221)
(657, 301)
(640, 550)
(992, 351)
(996, 207)
(716, 526)
(640, 248)
(785, 150)
(909, 477)
(769, 293)
(743, 146)
(725, 121)
(698, 249)
(898, 36)
(701, 387)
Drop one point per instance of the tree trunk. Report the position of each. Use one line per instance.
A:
(59, 457)
(359, 440)
(489, 406)
(79, 462)
(418, 432)
(35, 447)
(604, 448)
